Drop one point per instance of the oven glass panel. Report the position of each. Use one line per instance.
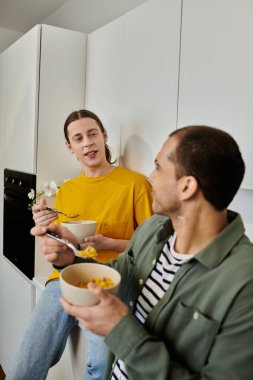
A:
(18, 243)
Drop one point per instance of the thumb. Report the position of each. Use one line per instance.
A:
(89, 239)
(99, 292)
(42, 203)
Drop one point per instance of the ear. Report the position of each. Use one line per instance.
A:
(105, 136)
(189, 187)
(68, 146)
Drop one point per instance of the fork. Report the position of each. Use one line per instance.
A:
(76, 251)
(60, 212)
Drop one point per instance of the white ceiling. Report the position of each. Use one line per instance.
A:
(22, 15)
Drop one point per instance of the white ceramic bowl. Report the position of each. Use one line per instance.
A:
(81, 228)
(72, 275)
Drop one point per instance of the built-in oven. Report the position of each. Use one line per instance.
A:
(18, 243)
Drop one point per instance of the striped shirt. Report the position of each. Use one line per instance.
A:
(153, 290)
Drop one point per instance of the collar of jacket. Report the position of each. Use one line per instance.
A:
(216, 251)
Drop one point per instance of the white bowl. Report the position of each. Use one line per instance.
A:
(81, 228)
(72, 275)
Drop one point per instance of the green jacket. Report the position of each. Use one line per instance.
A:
(203, 326)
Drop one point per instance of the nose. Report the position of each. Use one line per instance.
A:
(87, 141)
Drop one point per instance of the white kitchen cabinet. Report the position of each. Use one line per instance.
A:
(17, 296)
(42, 80)
(132, 79)
(2, 92)
(104, 79)
(150, 81)
(216, 81)
(20, 102)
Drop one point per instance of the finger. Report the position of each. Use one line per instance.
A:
(99, 292)
(75, 311)
(52, 258)
(44, 220)
(84, 245)
(38, 230)
(40, 205)
(49, 245)
(93, 238)
(89, 239)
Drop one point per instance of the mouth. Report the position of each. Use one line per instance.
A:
(91, 153)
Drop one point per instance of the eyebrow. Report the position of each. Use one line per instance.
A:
(88, 131)
(93, 129)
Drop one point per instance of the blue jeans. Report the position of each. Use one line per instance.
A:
(45, 339)
(96, 356)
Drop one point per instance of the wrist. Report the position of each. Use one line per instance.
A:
(60, 267)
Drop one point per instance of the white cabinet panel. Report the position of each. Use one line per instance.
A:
(21, 98)
(17, 294)
(62, 90)
(104, 79)
(2, 98)
(2, 102)
(151, 60)
(42, 80)
(216, 80)
(132, 79)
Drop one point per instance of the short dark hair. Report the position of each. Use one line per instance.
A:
(213, 157)
(81, 114)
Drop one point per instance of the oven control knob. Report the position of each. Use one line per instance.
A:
(13, 180)
(9, 179)
(20, 183)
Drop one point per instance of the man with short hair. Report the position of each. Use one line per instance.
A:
(185, 307)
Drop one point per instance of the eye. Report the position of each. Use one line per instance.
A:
(157, 166)
(92, 134)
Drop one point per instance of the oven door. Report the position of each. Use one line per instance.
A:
(18, 243)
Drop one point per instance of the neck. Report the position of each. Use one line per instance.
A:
(98, 171)
(197, 227)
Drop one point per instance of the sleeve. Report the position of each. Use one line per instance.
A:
(148, 357)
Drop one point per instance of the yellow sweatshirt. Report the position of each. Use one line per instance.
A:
(118, 201)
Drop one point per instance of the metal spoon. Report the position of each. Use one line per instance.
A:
(81, 253)
(60, 212)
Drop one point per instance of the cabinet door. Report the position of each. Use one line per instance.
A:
(21, 98)
(16, 302)
(216, 80)
(151, 61)
(104, 79)
(62, 87)
(2, 102)
(2, 108)
(132, 79)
